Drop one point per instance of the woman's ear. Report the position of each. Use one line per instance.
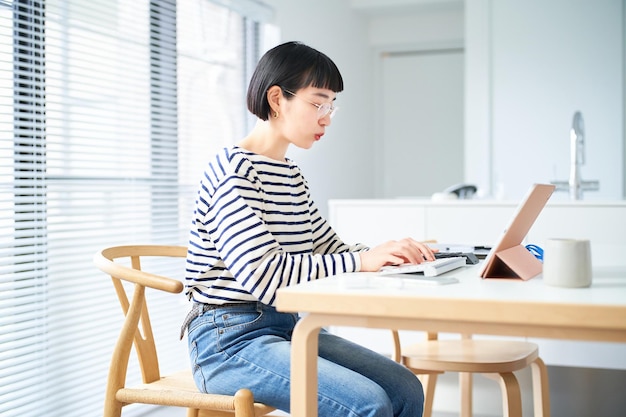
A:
(274, 96)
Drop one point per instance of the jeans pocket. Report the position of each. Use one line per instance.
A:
(234, 320)
(236, 328)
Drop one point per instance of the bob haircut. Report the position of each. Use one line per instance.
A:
(291, 66)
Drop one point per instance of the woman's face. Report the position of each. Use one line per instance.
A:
(304, 123)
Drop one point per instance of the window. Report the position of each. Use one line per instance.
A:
(108, 111)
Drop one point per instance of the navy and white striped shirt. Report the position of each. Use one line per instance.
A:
(255, 229)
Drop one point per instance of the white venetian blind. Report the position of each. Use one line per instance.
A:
(108, 110)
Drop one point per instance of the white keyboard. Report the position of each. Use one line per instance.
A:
(429, 269)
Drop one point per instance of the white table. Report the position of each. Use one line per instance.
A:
(474, 305)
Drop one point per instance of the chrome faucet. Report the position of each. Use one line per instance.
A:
(576, 185)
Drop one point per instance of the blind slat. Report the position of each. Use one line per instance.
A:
(108, 111)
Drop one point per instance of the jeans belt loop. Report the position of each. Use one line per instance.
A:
(197, 309)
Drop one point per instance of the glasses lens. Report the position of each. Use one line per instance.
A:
(324, 109)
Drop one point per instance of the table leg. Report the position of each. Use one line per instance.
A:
(304, 351)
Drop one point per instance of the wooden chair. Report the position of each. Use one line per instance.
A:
(174, 390)
(466, 356)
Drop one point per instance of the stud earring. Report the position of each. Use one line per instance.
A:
(275, 114)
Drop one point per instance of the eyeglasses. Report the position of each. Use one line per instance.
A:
(323, 109)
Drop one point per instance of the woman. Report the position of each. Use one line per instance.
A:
(255, 229)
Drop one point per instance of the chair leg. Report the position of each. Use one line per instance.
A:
(465, 386)
(192, 412)
(428, 383)
(511, 395)
(244, 403)
(112, 407)
(541, 388)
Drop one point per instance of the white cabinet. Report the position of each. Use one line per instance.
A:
(476, 222)
(603, 224)
(373, 221)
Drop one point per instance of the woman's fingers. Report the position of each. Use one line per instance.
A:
(418, 251)
(396, 252)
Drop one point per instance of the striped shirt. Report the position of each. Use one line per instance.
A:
(255, 229)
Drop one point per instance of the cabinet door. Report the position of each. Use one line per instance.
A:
(372, 223)
(604, 226)
(467, 223)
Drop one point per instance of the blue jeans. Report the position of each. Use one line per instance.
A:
(249, 346)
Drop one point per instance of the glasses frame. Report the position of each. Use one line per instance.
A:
(323, 109)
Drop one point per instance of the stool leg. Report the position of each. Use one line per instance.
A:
(511, 395)
(541, 388)
(428, 382)
(465, 386)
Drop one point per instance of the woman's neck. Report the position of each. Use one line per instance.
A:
(265, 140)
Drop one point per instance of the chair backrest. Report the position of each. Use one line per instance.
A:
(136, 327)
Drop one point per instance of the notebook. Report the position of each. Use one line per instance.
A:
(509, 258)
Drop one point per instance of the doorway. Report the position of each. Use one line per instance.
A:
(422, 122)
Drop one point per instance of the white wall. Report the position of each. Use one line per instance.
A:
(537, 63)
(439, 24)
(418, 62)
(346, 163)
(353, 33)
(340, 165)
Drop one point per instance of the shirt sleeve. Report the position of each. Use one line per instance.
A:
(326, 240)
(254, 257)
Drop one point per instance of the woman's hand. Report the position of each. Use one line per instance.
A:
(395, 252)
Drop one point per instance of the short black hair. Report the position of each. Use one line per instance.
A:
(292, 66)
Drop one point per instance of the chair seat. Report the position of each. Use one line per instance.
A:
(469, 355)
(179, 389)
